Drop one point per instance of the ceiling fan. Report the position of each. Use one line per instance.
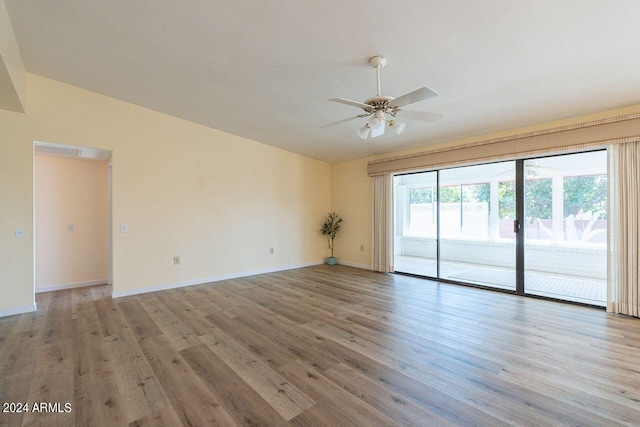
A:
(383, 109)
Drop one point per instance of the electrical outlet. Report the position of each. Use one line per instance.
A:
(70, 227)
(176, 260)
(19, 233)
(271, 251)
(361, 248)
(124, 228)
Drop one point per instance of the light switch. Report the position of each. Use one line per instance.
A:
(124, 228)
(19, 233)
(70, 227)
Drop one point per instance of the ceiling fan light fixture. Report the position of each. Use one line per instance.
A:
(377, 120)
(398, 127)
(375, 123)
(363, 132)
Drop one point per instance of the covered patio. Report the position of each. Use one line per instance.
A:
(566, 287)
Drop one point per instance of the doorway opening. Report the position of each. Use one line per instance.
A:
(72, 217)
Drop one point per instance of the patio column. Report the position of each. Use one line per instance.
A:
(557, 212)
(405, 214)
(494, 211)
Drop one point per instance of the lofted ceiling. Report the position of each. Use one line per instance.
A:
(264, 69)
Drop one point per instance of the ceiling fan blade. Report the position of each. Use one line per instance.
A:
(339, 122)
(415, 96)
(420, 115)
(377, 132)
(350, 102)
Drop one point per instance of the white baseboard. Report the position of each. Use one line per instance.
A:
(356, 265)
(18, 310)
(50, 288)
(164, 287)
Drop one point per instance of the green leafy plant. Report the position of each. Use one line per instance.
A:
(330, 228)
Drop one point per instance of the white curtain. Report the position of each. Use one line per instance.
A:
(383, 223)
(623, 288)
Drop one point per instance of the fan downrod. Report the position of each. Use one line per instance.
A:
(378, 62)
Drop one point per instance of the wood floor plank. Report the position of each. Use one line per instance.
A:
(285, 399)
(260, 344)
(81, 300)
(53, 383)
(394, 405)
(57, 324)
(336, 406)
(187, 314)
(596, 400)
(432, 397)
(180, 335)
(35, 320)
(320, 346)
(101, 292)
(98, 401)
(143, 395)
(140, 323)
(166, 417)
(286, 332)
(111, 319)
(8, 324)
(192, 402)
(399, 361)
(17, 366)
(242, 402)
(89, 349)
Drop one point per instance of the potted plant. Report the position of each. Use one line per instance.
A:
(329, 229)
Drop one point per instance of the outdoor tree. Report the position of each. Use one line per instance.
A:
(538, 199)
(580, 194)
(421, 195)
(584, 194)
(507, 200)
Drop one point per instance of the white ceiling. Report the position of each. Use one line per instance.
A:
(264, 69)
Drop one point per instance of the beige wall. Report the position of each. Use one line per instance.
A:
(12, 74)
(351, 197)
(351, 194)
(73, 192)
(217, 200)
(16, 211)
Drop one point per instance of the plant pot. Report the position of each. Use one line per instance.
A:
(331, 260)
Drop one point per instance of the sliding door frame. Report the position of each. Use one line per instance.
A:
(438, 224)
(518, 225)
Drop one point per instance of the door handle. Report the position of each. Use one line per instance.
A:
(516, 226)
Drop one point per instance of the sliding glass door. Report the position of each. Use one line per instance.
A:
(566, 227)
(535, 226)
(477, 209)
(475, 242)
(416, 224)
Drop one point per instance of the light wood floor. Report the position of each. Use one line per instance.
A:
(320, 346)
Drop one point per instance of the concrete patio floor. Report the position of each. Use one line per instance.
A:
(569, 288)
